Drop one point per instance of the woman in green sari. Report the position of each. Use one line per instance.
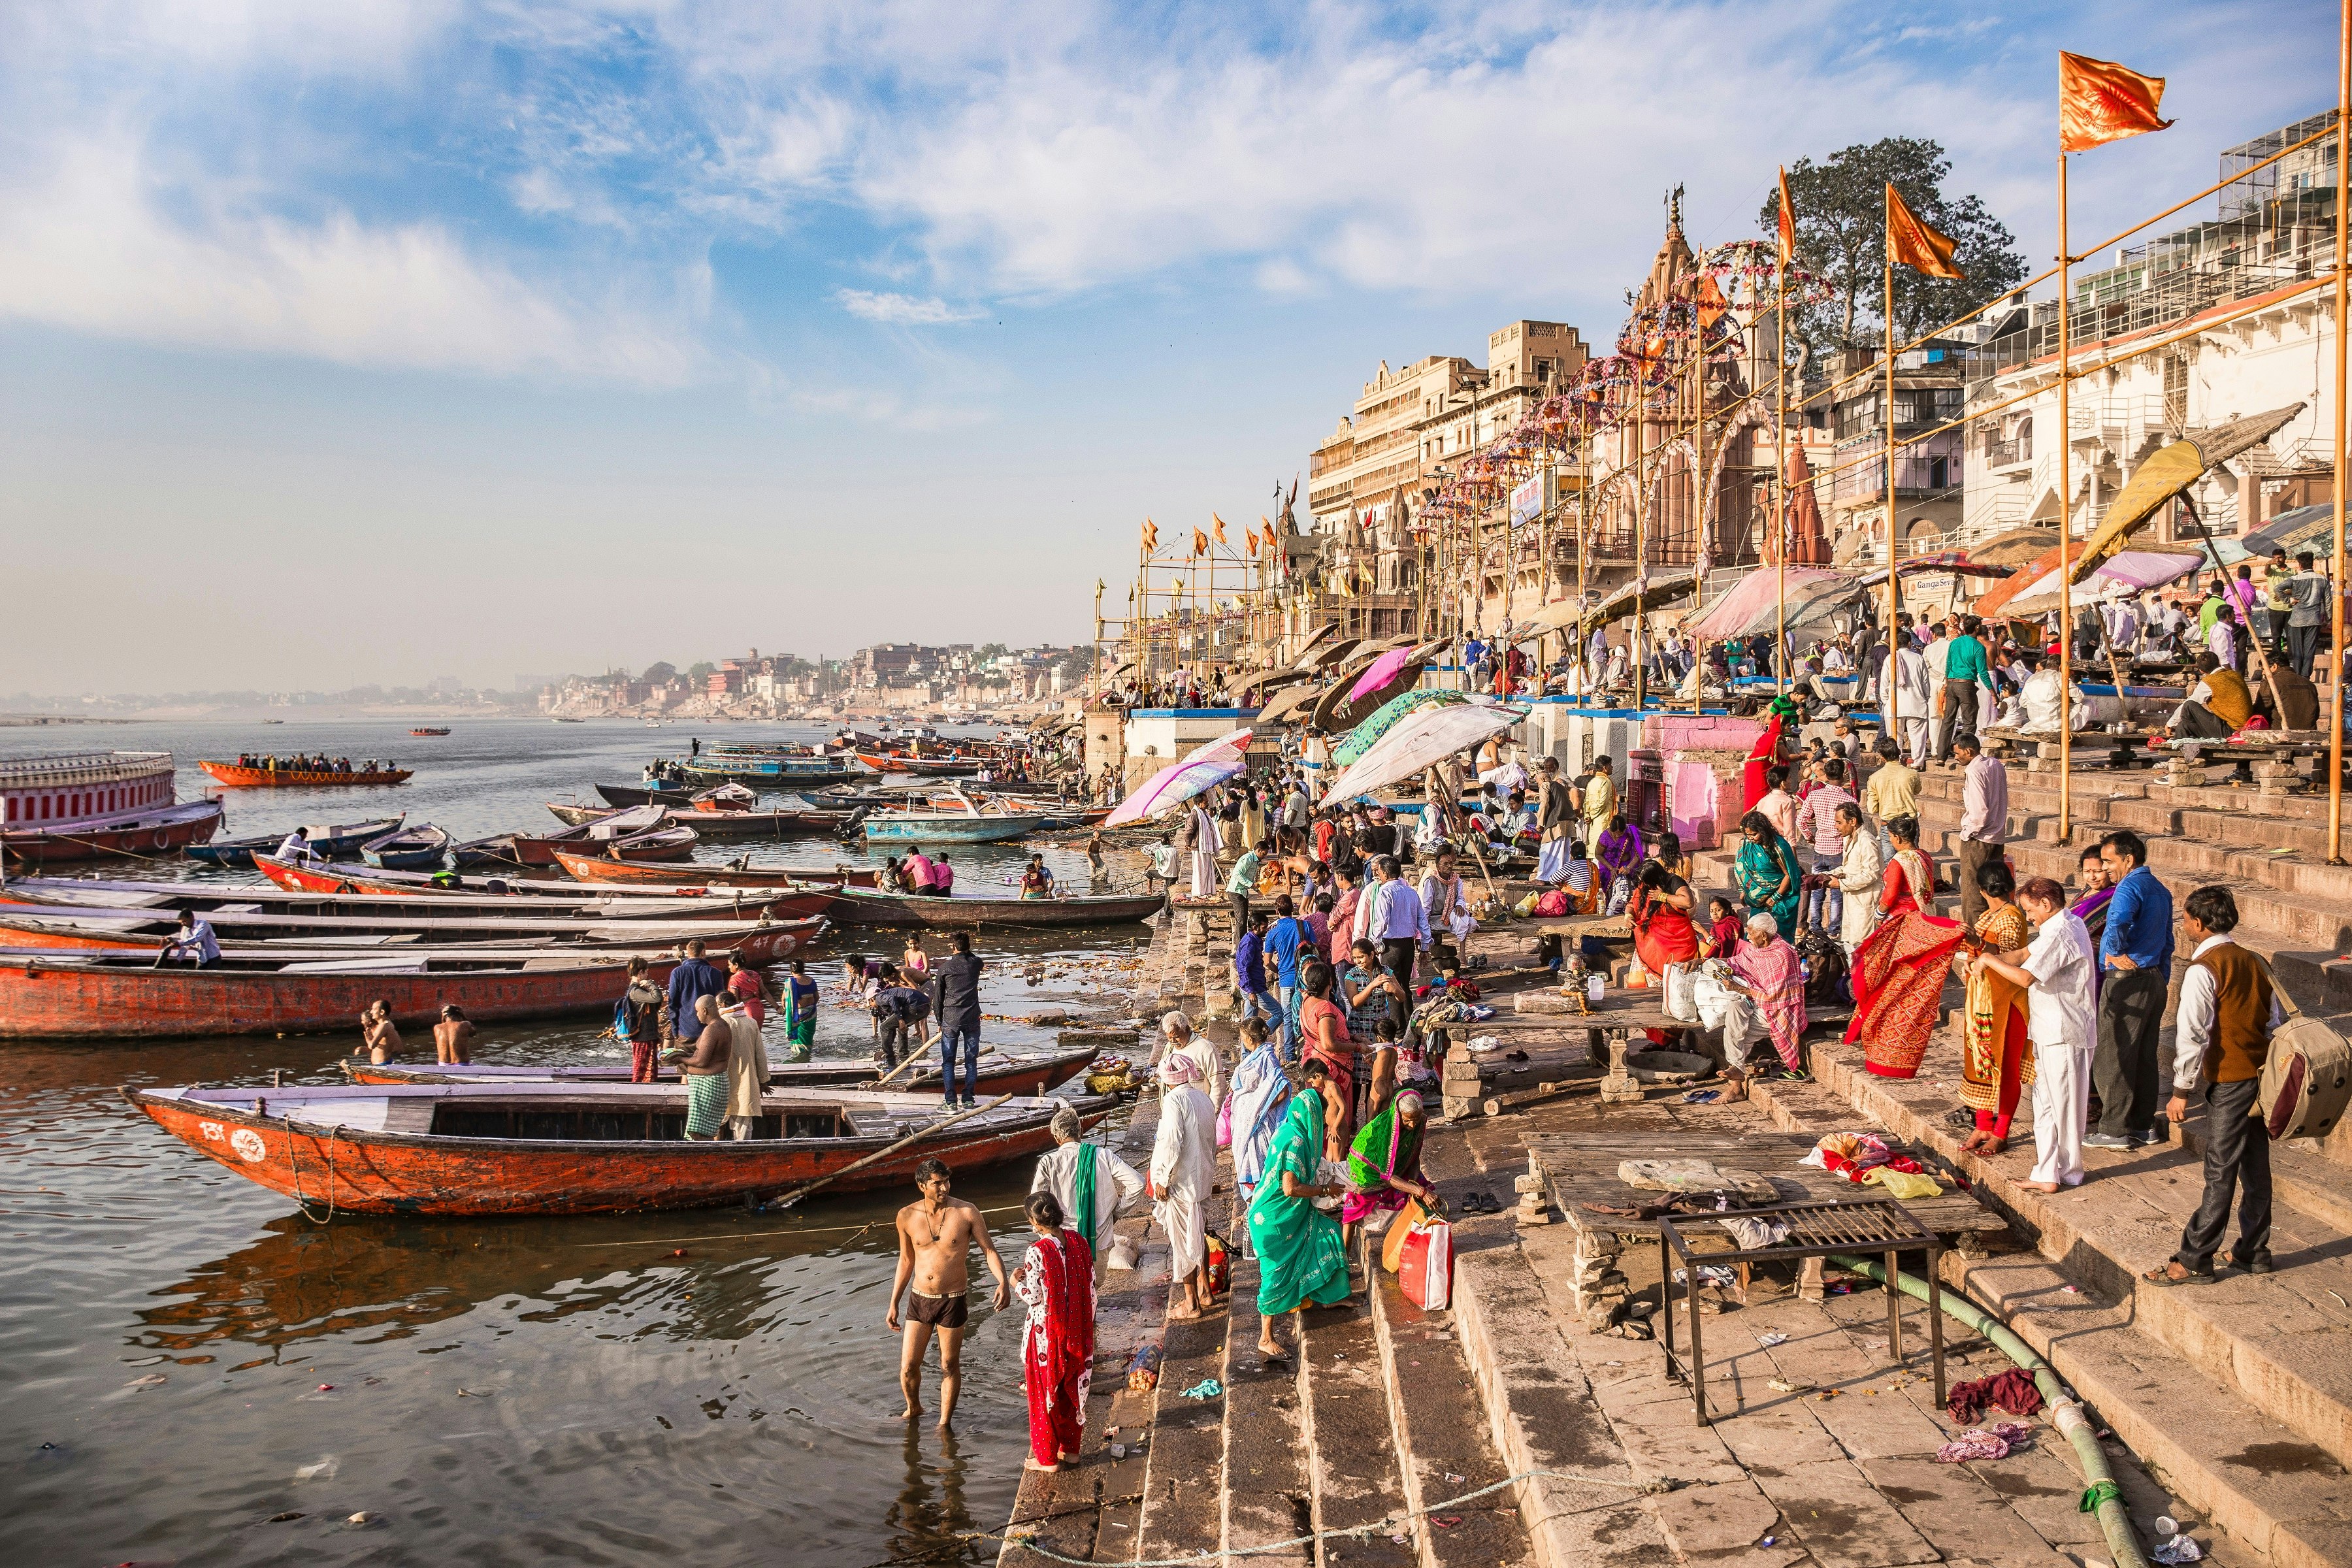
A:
(1300, 1258)
(1770, 880)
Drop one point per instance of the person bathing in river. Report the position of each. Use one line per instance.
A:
(453, 1036)
(936, 1235)
(379, 1037)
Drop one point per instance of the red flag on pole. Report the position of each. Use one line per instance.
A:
(1910, 242)
(2100, 101)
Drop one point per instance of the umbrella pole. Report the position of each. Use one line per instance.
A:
(2335, 657)
(1780, 473)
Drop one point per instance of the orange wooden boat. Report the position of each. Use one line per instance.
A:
(98, 996)
(999, 1073)
(569, 1149)
(269, 778)
(590, 869)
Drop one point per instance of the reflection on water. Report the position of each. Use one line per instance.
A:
(183, 1358)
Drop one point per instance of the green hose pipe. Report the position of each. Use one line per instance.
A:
(2100, 1496)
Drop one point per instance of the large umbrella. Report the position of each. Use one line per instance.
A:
(1949, 562)
(2015, 547)
(1285, 702)
(1381, 670)
(1633, 596)
(2126, 572)
(2169, 473)
(1360, 740)
(1422, 737)
(1198, 771)
(1753, 604)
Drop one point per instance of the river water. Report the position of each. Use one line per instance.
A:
(191, 1372)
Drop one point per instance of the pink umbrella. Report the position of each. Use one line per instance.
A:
(1384, 670)
(1198, 771)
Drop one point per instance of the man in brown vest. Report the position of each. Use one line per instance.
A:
(2228, 1010)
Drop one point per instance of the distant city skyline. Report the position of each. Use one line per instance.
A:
(343, 345)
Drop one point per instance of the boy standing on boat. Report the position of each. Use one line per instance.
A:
(955, 1004)
(936, 1235)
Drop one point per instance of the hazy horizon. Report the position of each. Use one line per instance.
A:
(417, 337)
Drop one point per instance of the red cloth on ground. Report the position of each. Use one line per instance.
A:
(1054, 1360)
(2012, 1391)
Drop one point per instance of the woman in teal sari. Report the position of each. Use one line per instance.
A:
(1770, 880)
(1300, 1258)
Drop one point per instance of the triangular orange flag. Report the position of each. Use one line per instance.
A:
(1787, 221)
(1711, 302)
(2100, 101)
(1910, 242)
(1252, 541)
(1200, 543)
(1221, 527)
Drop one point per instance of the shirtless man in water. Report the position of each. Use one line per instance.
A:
(935, 1237)
(453, 1036)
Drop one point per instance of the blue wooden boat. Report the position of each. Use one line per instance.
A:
(950, 826)
(328, 839)
(768, 771)
(410, 849)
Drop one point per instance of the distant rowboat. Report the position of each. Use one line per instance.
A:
(590, 869)
(949, 828)
(326, 838)
(430, 731)
(862, 908)
(1000, 1073)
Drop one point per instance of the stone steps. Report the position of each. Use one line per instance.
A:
(1269, 1492)
(1351, 1448)
(2277, 1341)
(2261, 1481)
(1443, 1447)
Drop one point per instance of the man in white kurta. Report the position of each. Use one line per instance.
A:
(1179, 1038)
(1183, 1166)
(1204, 853)
(1116, 1184)
(2060, 1027)
(1857, 878)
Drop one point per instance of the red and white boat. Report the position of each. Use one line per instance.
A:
(83, 805)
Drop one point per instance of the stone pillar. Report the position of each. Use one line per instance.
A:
(1461, 1089)
(1620, 1088)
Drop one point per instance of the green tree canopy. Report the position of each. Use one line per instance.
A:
(658, 672)
(701, 671)
(1840, 208)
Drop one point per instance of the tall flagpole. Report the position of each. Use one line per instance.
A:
(1640, 561)
(2066, 526)
(2335, 723)
(1893, 667)
(1780, 472)
(1698, 503)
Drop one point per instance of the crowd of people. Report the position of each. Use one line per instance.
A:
(309, 763)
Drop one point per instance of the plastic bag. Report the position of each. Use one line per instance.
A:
(1682, 992)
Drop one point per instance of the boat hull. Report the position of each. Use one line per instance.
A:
(39, 1002)
(158, 832)
(860, 908)
(375, 1172)
(280, 778)
(950, 829)
(591, 868)
(1024, 1075)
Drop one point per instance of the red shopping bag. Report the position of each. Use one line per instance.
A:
(1425, 1266)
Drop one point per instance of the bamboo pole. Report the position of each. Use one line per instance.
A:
(2336, 621)
(1698, 506)
(1780, 475)
(1893, 576)
(2065, 528)
(1641, 552)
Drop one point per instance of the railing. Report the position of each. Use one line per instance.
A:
(83, 767)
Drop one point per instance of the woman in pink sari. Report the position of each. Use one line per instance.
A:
(1899, 969)
(1055, 1281)
(1774, 978)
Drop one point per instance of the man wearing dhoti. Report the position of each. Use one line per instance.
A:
(1183, 1167)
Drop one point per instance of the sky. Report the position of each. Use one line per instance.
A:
(374, 343)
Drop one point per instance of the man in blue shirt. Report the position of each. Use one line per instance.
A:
(693, 979)
(1249, 968)
(1287, 942)
(2136, 970)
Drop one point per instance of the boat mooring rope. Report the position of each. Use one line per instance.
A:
(1387, 1525)
(294, 1159)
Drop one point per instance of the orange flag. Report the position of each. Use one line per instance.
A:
(1150, 536)
(1910, 242)
(1221, 527)
(1787, 221)
(1200, 543)
(2100, 101)
(1710, 300)
(1252, 541)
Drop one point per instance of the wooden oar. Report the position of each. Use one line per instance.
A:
(921, 1053)
(943, 1124)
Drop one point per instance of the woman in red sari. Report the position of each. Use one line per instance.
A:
(1660, 912)
(1055, 1281)
(1996, 1063)
(1767, 752)
(1899, 969)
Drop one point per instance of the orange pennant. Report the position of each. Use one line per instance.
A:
(1150, 536)
(1910, 242)
(1200, 543)
(1252, 541)
(1711, 302)
(1787, 221)
(2100, 101)
(1221, 527)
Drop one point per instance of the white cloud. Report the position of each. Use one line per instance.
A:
(87, 246)
(903, 310)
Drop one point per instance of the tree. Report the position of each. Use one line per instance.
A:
(699, 673)
(659, 673)
(1841, 208)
